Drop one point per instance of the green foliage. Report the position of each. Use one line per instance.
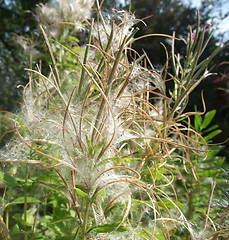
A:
(8, 179)
(209, 170)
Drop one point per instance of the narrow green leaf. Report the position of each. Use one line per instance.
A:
(212, 135)
(99, 145)
(127, 159)
(107, 160)
(21, 200)
(90, 147)
(81, 193)
(82, 78)
(208, 118)
(107, 228)
(73, 38)
(197, 122)
(169, 204)
(210, 129)
(20, 121)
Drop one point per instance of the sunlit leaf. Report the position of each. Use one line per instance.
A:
(208, 118)
(21, 200)
(8, 180)
(81, 192)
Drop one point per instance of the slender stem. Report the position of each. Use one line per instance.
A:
(56, 72)
(85, 58)
(84, 227)
(25, 199)
(190, 205)
(45, 205)
(109, 84)
(209, 206)
(101, 64)
(7, 217)
(190, 200)
(76, 234)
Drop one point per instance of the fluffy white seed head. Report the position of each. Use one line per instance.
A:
(73, 11)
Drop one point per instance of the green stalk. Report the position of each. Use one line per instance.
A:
(181, 99)
(45, 204)
(188, 48)
(7, 217)
(101, 64)
(132, 35)
(190, 200)
(193, 44)
(85, 57)
(56, 73)
(189, 214)
(76, 234)
(173, 56)
(196, 56)
(25, 200)
(84, 227)
(109, 83)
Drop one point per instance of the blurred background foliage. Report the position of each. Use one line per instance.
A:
(16, 20)
(165, 16)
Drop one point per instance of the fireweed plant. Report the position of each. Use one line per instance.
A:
(101, 149)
